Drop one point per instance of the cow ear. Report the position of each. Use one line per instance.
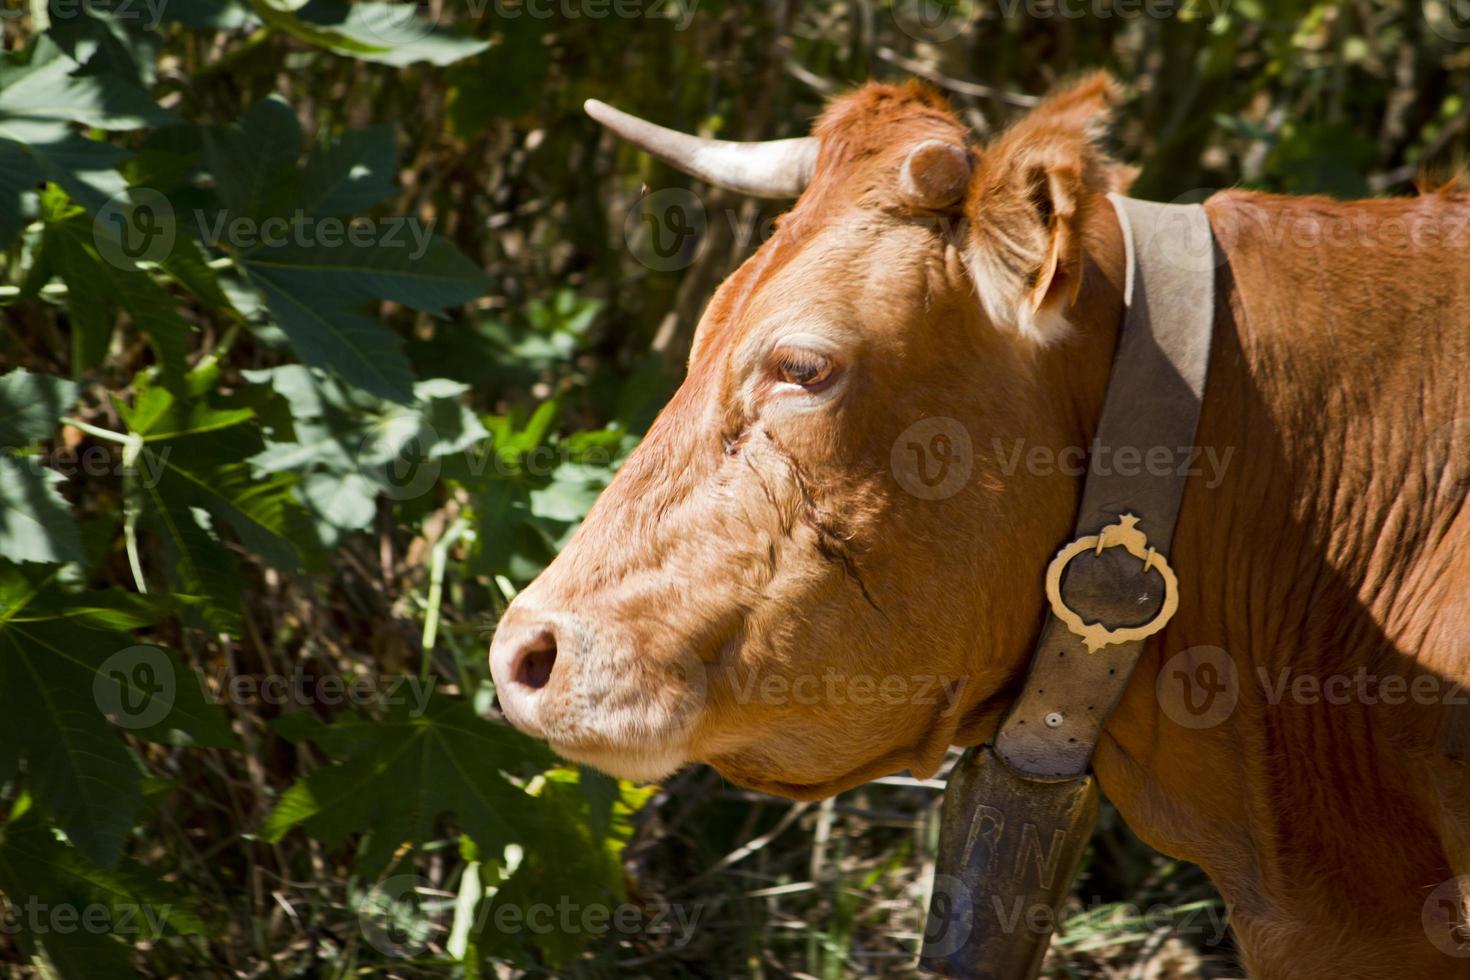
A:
(934, 175)
(1030, 201)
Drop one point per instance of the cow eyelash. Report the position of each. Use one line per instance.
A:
(805, 368)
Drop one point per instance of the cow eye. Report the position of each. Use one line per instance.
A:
(806, 368)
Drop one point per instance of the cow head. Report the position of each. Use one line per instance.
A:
(822, 564)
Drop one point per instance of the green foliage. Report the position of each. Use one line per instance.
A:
(232, 301)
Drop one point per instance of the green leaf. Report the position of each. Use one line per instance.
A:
(254, 162)
(584, 823)
(35, 520)
(31, 406)
(196, 482)
(39, 100)
(110, 909)
(158, 414)
(385, 32)
(98, 286)
(317, 294)
(203, 483)
(401, 774)
(78, 769)
(359, 348)
(349, 175)
(322, 277)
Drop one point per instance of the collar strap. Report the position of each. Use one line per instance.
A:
(1102, 605)
(1018, 814)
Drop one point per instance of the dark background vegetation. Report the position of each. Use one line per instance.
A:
(366, 517)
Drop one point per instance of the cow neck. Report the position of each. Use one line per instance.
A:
(1103, 605)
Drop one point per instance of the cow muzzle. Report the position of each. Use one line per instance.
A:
(594, 692)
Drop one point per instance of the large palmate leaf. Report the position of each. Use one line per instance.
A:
(99, 285)
(44, 94)
(31, 405)
(195, 481)
(401, 774)
(35, 520)
(318, 291)
(254, 164)
(41, 98)
(40, 873)
(66, 664)
(372, 30)
(585, 824)
(350, 446)
(322, 276)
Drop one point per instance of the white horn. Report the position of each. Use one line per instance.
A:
(774, 168)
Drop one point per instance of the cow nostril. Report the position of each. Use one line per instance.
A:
(538, 657)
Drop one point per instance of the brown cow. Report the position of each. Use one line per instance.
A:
(759, 569)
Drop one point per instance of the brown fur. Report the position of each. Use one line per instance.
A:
(754, 535)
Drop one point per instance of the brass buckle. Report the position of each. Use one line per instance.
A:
(1126, 535)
